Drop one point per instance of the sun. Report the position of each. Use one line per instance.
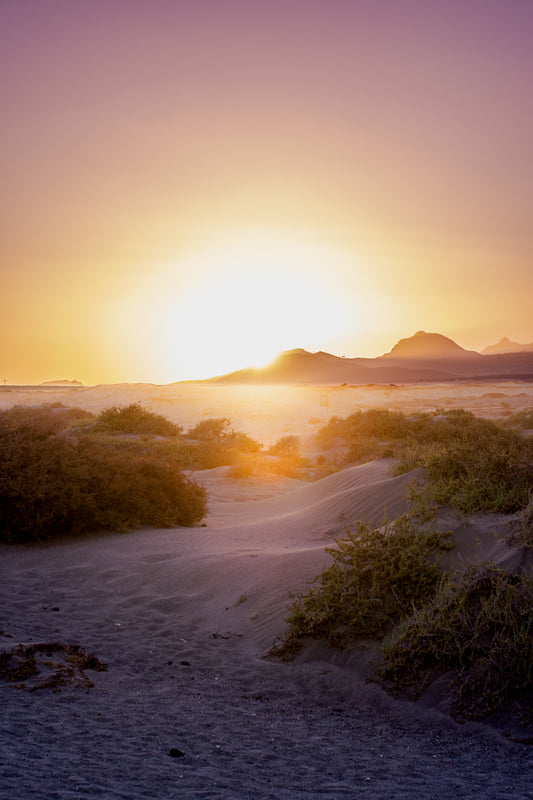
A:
(239, 302)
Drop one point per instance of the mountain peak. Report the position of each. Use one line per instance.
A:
(505, 345)
(424, 345)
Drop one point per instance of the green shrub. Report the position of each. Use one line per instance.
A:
(214, 429)
(288, 465)
(44, 420)
(472, 463)
(522, 419)
(480, 626)
(135, 419)
(58, 485)
(481, 629)
(377, 577)
(185, 453)
(481, 466)
(243, 443)
(287, 444)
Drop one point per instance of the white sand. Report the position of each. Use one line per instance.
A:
(183, 617)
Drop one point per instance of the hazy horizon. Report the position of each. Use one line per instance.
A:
(191, 188)
(74, 380)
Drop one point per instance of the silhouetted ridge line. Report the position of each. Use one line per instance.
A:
(419, 358)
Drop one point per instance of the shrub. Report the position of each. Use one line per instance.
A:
(244, 443)
(288, 465)
(214, 429)
(377, 577)
(135, 419)
(44, 420)
(472, 463)
(522, 419)
(56, 485)
(481, 466)
(287, 444)
(479, 627)
(218, 431)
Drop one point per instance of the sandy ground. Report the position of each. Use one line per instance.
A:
(269, 412)
(188, 707)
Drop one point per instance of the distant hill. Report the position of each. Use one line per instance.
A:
(422, 357)
(428, 346)
(506, 346)
(61, 383)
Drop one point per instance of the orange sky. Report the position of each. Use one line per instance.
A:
(188, 188)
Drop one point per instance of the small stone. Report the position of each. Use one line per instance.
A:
(175, 753)
(185, 663)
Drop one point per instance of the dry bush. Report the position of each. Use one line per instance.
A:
(288, 465)
(479, 627)
(135, 419)
(43, 420)
(377, 577)
(55, 485)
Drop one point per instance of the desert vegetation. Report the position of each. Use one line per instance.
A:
(472, 463)
(479, 626)
(52, 484)
(283, 458)
(387, 584)
(44, 420)
(521, 419)
(135, 420)
(65, 470)
(377, 576)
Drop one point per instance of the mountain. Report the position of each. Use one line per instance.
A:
(301, 366)
(422, 357)
(61, 383)
(428, 346)
(506, 346)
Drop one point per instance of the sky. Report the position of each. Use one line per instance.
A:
(187, 188)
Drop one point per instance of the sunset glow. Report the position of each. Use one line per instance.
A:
(190, 188)
(261, 291)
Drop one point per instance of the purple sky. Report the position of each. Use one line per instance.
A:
(400, 133)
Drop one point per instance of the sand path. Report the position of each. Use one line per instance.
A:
(182, 618)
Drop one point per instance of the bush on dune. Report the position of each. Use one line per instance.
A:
(522, 419)
(262, 465)
(377, 577)
(480, 626)
(43, 420)
(213, 429)
(135, 419)
(479, 465)
(476, 625)
(285, 445)
(472, 463)
(97, 479)
(54, 485)
(216, 445)
(283, 458)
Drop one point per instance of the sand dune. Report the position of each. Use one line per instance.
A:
(182, 618)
